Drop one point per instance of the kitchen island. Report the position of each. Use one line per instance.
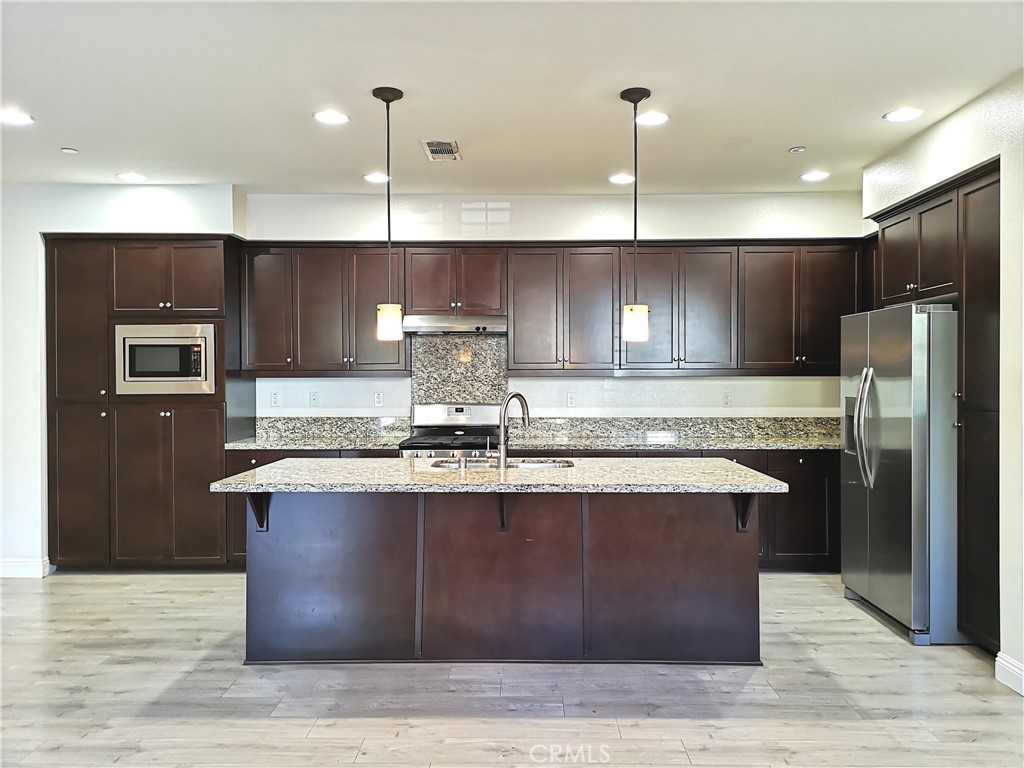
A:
(605, 560)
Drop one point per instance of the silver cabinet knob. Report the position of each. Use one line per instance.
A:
(167, 304)
(252, 461)
(735, 461)
(799, 461)
(287, 359)
(161, 304)
(803, 359)
(103, 391)
(458, 304)
(958, 424)
(956, 394)
(161, 413)
(453, 303)
(103, 414)
(796, 359)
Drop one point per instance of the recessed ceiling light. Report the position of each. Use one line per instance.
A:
(133, 177)
(815, 175)
(652, 118)
(903, 114)
(69, 150)
(376, 177)
(798, 148)
(14, 116)
(621, 178)
(331, 117)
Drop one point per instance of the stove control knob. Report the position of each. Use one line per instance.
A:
(430, 454)
(417, 455)
(453, 454)
(475, 454)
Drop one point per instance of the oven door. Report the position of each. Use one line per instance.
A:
(164, 359)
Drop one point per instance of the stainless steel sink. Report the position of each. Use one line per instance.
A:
(512, 464)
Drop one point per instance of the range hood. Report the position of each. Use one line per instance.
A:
(436, 324)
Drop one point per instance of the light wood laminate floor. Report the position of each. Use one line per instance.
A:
(146, 670)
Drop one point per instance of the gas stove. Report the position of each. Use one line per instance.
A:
(452, 431)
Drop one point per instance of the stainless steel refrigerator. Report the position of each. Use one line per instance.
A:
(899, 466)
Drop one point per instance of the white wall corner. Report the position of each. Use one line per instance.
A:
(1010, 672)
(25, 568)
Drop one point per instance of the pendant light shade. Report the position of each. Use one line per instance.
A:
(636, 317)
(389, 316)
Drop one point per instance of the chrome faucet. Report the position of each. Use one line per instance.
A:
(503, 425)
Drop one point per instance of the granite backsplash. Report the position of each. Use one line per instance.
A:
(553, 430)
(459, 369)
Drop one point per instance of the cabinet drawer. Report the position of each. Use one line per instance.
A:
(605, 454)
(793, 460)
(240, 461)
(753, 459)
(656, 454)
(374, 453)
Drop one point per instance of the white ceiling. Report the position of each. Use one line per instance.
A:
(222, 93)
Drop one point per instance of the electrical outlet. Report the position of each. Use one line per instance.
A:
(570, 400)
(314, 399)
(275, 399)
(727, 399)
(378, 399)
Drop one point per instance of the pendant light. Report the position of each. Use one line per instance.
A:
(389, 316)
(636, 321)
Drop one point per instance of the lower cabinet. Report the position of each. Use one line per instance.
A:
(162, 461)
(803, 525)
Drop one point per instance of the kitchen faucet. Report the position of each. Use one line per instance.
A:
(503, 425)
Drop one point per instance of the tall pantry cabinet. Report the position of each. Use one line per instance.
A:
(128, 476)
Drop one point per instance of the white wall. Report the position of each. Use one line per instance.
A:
(338, 397)
(990, 126)
(362, 217)
(28, 210)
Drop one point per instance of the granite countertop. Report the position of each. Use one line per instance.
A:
(586, 476)
(313, 443)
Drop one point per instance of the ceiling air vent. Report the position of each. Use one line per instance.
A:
(441, 150)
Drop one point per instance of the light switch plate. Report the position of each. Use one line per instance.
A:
(570, 400)
(275, 399)
(314, 399)
(378, 399)
(727, 399)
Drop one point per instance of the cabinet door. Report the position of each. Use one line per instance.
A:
(803, 523)
(658, 282)
(978, 528)
(979, 294)
(490, 593)
(236, 505)
(482, 279)
(79, 517)
(141, 485)
(591, 307)
(828, 290)
(321, 327)
(707, 294)
(138, 274)
(897, 259)
(368, 287)
(197, 278)
(770, 297)
(267, 310)
(535, 308)
(197, 459)
(430, 281)
(938, 246)
(78, 341)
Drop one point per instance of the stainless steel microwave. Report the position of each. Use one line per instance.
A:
(164, 359)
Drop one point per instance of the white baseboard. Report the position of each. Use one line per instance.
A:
(1010, 672)
(24, 568)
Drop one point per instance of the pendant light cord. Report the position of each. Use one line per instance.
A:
(636, 184)
(387, 132)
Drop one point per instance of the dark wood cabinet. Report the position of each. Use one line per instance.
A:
(476, 603)
(455, 281)
(918, 252)
(167, 278)
(803, 525)
(79, 490)
(792, 302)
(978, 527)
(163, 459)
(979, 296)
(78, 343)
(563, 308)
(315, 309)
(267, 309)
(692, 295)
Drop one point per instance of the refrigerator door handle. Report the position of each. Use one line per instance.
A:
(869, 478)
(858, 425)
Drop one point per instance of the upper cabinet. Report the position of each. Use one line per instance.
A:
(791, 302)
(167, 278)
(692, 295)
(455, 281)
(563, 308)
(315, 309)
(78, 345)
(918, 252)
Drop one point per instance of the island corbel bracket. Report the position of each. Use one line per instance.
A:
(502, 515)
(743, 502)
(260, 503)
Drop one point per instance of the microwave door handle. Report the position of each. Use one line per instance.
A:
(869, 476)
(858, 440)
